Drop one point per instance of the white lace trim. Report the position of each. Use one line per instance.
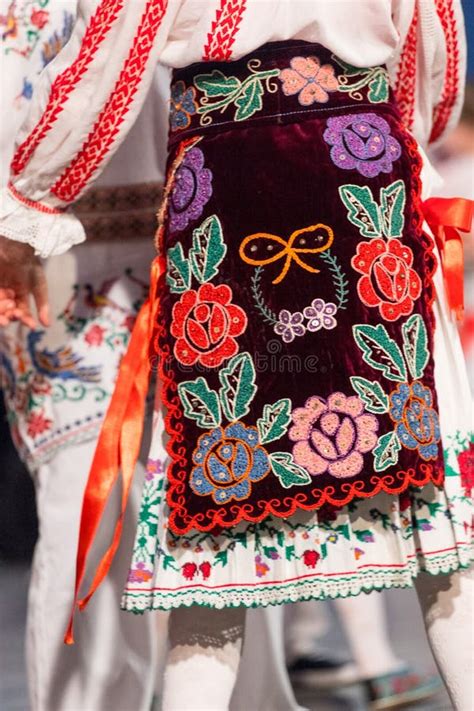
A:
(48, 234)
(317, 588)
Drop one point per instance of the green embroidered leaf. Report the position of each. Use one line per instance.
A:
(393, 199)
(250, 100)
(280, 538)
(380, 351)
(208, 249)
(415, 345)
(241, 538)
(238, 386)
(216, 84)
(270, 552)
(386, 451)
(349, 69)
(168, 562)
(371, 393)
(275, 420)
(379, 87)
(288, 472)
(222, 558)
(324, 550)
(289, 552)
(200, 403)
(178, 275)
(362, 209)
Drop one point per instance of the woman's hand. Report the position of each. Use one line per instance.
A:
(21, 277)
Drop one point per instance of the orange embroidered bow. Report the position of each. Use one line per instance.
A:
(118, 445)
(288, 248)
(446, 216)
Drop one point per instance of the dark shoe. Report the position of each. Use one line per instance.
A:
(320, 672)
(401, 688)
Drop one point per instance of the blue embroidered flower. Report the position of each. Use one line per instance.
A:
(227, 462)
(183, 105)
(417, 423)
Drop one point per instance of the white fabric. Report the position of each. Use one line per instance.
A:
(111, 664)
(362, 32)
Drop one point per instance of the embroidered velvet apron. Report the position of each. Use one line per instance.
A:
(295, 329)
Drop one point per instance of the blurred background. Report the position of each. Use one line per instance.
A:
(18, 524)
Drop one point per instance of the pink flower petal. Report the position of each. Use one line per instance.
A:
(305, 457)
(293, 82)
(324, 445)
(308, 67)
(347, 467)
(327, 78)
(348, 405)
(329, 423)
(311, 94)
(346, 436)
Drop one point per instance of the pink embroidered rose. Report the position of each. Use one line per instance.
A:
(95, 335)
(310, 558)
(39, 18)
(309, 80)
(332, 436)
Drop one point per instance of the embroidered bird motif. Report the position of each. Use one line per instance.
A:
(261, 249)
(62, 363)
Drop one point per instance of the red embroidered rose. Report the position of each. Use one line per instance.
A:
(95, 335)
(205, 569)
(388, 280)
(310, 558)
(189, 570)
(205, 324)
(39, 18)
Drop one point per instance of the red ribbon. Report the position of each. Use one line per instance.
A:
(118, 446)
(445, 216)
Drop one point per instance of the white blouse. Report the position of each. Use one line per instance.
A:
(88, 98)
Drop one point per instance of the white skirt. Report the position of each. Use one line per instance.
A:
(373, 544)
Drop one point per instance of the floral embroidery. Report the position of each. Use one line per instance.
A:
(261, 568)
(312, 240)
(354, 79)
(309, 80)
(372, 218)
(388, 280)
(416, 423)
(191, 191)
(206, 324)
(331, 436)
(38, 424)
(220, 92)
(227, 462)
(410, 404)
(311, 558)
(290, 325)
(140, 574)
(362, 142)
(183, 105)
(320, 314)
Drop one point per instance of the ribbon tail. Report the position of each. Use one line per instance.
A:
(117, 449)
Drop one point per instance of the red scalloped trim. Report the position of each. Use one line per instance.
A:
(221, 38)
(181, 522)
(97, 145)
(405, 85)
(97, 30)
(32, 203)
(443, 110)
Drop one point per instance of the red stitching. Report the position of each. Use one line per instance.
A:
(406, 77)
(31, 203)
(77, 174)
(63, 85)
(221, 38)
(443, 109)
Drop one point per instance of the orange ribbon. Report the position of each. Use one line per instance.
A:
(446, 216)
(118, 446)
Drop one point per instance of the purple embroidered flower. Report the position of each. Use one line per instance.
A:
(191, 191)
(320, 315)
(154, 468)
(183, 105)
(362, 142)
(289, 325)
(331, 436)
(139, 574)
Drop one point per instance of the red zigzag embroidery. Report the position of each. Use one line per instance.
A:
(221, 38)
(97, 30)
(442, 112)
(406, 77)
(76, 176)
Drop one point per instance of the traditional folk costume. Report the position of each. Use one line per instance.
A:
(312, 390)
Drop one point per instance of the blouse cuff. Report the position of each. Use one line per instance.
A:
(49, 231)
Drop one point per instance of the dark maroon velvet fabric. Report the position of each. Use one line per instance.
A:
(342, 365)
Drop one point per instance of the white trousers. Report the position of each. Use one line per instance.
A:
(111, 667)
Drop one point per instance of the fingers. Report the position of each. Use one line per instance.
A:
(22, 311)
(40, 295)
